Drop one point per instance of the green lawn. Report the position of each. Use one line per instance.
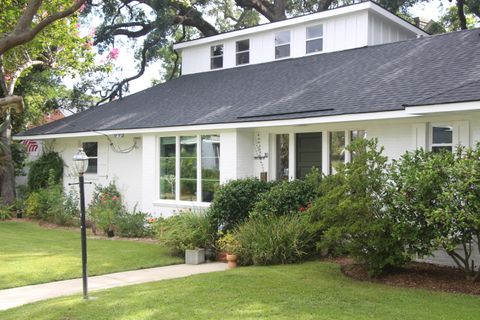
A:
(314, 290)
(31, 254)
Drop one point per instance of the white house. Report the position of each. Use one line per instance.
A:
(277, 99)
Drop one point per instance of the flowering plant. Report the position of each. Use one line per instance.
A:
(105, 207)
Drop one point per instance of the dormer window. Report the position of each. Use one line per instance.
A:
(243, 52)
(282, 44)
(314, 38)
(216, 57)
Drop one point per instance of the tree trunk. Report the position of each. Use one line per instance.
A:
(7, 181)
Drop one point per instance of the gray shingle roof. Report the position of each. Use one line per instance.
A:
(370, 79)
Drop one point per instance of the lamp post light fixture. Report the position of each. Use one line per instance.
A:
(80, 161)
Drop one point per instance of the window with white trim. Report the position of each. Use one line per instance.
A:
(243, 51)
(441, 138)
(91, 150)
(189, 167)
(314, 39)
(216, 57)
(282, 44)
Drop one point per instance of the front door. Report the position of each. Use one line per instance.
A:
(308, 153)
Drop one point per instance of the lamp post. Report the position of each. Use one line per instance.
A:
(80, 161)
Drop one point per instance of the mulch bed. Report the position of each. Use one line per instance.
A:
(417, 275)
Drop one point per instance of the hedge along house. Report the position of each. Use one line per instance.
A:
(275, 100)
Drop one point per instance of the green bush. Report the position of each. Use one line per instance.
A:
(274, 240)
(48, 167)
(233, 201)
(6, 211)
(186, 230)
(50, 204)
(435, 199)
(351, 215)
(288, 196)
(133, 225)
(106, 207)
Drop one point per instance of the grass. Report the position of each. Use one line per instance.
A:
(31, 254)
(314, 290)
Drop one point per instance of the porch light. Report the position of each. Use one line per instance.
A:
(80, 161)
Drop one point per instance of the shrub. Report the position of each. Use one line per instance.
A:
(186, 230)
(133, 225)
(52, 205)
(351, 214)
(36, 205)
(288, 196)
(46, 170)
(106, 207)
(274, 240)
(435, 198)
(234, 200)
(6, 211)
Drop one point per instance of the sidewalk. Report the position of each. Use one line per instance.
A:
(15, 297)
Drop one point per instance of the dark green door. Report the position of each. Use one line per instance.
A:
(308, 153)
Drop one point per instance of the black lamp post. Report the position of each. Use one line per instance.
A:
(80, 161)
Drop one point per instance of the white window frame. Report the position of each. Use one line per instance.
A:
(243, 51)
(178, 171)
(315, 38)
(212, 56)
(289, 44)
(441, 125)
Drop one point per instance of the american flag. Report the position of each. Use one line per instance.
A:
(30, 145)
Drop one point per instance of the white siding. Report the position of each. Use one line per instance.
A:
(381, 30)
(111, 167)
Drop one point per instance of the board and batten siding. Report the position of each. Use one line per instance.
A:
(347, 31)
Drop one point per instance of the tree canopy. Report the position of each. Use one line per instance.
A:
(156, 24)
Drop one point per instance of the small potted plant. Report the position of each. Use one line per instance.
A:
(229, 244)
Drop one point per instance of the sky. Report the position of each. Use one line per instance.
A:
(126, 61)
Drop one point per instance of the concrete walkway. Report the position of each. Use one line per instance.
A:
(15, 297)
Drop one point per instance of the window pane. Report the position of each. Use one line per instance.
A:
(90, 148)
(210, 166)
(282, 38)
(337, 150)
(315, 31)
(92, 166)
(442, 149)
(216, 63)
(217, 50)
(188, 168)
(314, 45)
(243, 45)
(243, 58)
(282, 51)
(167, 167)
(442, 135)
(357, 134)
(282, 156)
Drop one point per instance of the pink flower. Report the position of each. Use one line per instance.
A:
(113, 54)
(82, 8)
(114, 198)
(302, 209)
(92, 31)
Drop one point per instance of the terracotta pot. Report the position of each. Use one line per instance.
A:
(231, 261)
